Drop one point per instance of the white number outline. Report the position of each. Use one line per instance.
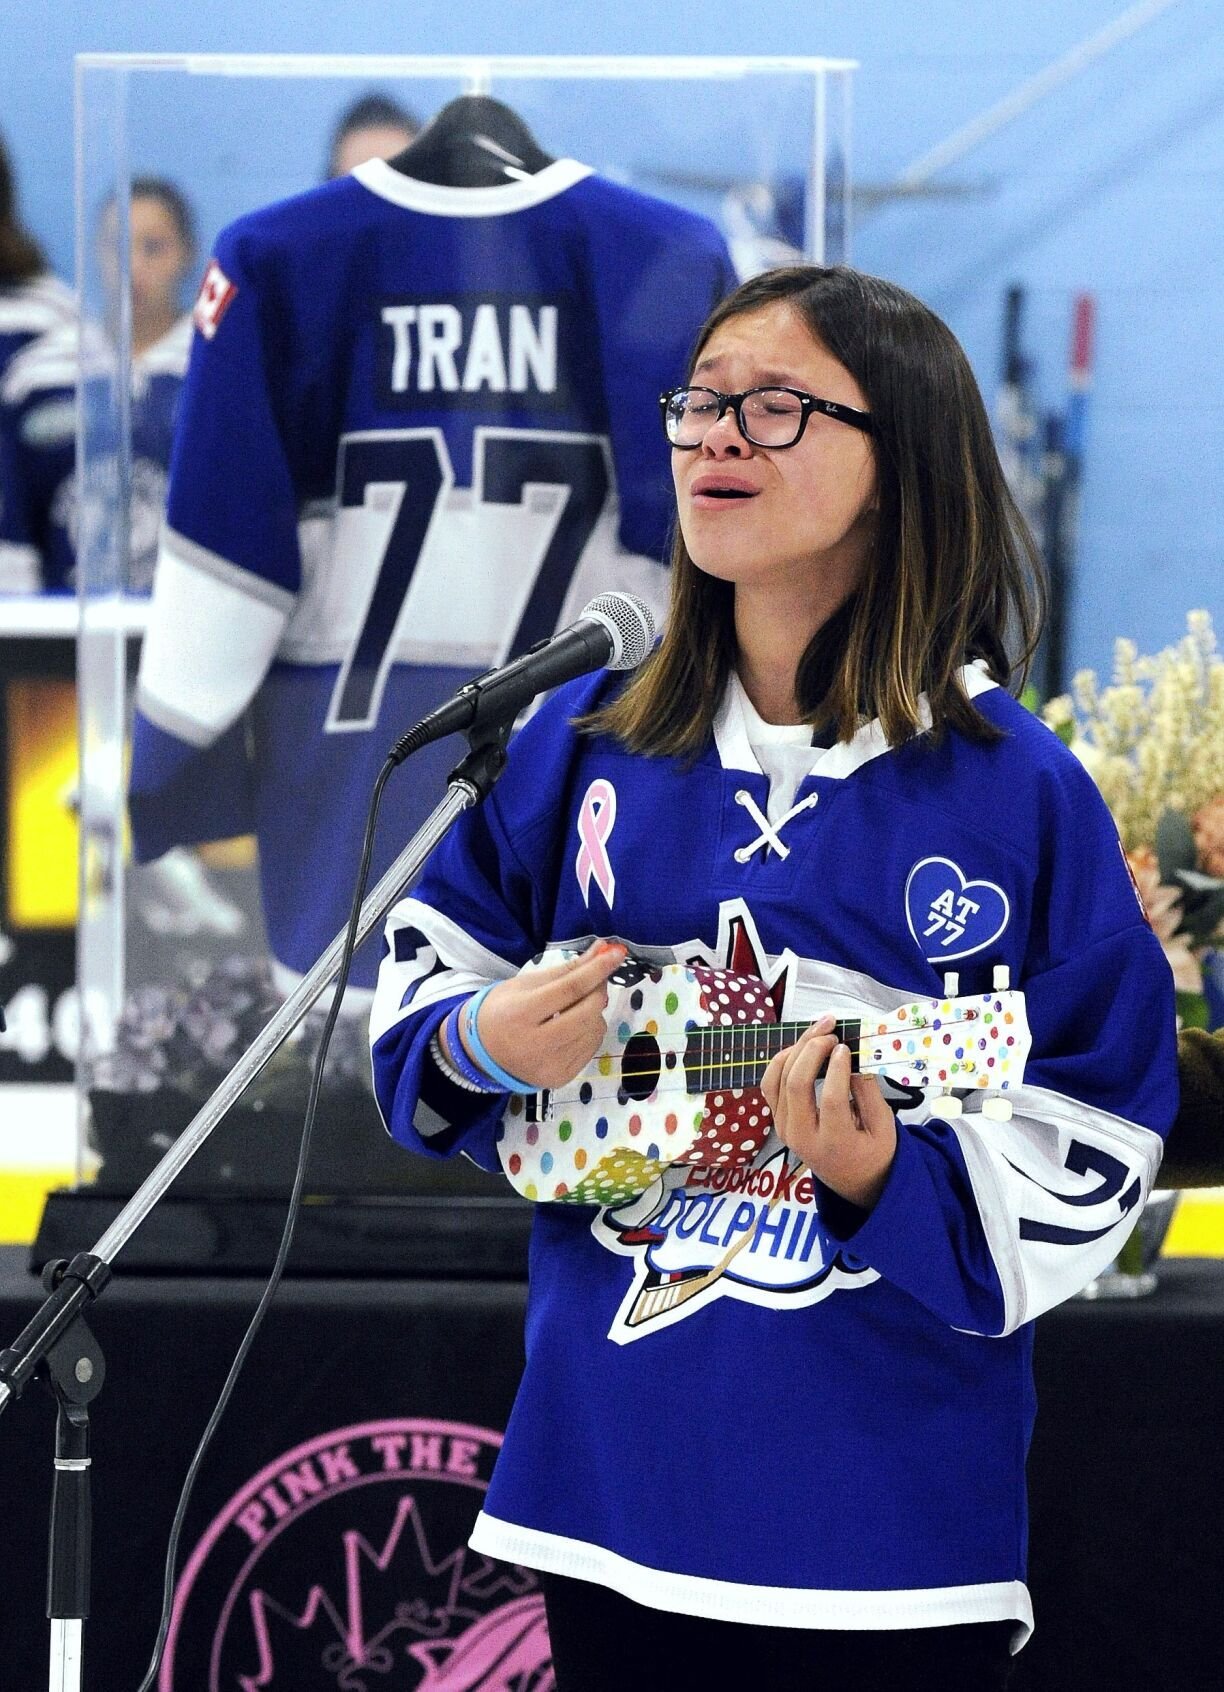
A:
(483, 437)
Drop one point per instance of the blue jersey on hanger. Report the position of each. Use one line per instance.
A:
(832, 1432)
(419, 431)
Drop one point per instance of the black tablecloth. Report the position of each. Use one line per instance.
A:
(355, 1384)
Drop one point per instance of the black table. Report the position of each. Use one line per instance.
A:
(352, 1460)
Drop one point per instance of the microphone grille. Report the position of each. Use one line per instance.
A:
(629, 621)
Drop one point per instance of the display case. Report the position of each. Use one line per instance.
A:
(531, 469)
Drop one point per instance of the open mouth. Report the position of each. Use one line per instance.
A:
(722, 490)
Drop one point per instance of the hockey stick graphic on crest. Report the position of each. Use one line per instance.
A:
(653, 1301)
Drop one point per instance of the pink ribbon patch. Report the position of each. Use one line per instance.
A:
(595, 820)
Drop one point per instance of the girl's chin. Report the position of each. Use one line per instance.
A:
(741, 573)
(719, 572)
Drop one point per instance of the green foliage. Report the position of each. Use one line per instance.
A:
(1192, 1010)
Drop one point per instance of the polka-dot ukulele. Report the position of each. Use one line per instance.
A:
(678, 1078)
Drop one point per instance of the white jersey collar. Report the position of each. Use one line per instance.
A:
(442, 201)
(731, 730)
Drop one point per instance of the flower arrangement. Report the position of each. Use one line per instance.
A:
(189, 1035)
(1153, 742)
(175, 1043)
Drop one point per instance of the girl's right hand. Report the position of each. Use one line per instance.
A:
(546, 1025)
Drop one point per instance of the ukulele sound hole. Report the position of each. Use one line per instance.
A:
(640, 1066)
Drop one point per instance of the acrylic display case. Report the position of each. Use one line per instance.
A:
(175, 974)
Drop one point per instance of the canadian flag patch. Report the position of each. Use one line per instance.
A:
(215, 298)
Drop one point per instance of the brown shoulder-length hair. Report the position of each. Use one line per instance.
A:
(21, 258)
(952, 573)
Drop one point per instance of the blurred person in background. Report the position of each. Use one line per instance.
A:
(40, 501)
(1195, 1153)
(32, 302)
(163, 244)
(44, 502)
(372, 127)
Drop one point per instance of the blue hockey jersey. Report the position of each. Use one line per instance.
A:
(30, 309)
(419, 431)
(43, 501)
(833, 1432)
(27, 311)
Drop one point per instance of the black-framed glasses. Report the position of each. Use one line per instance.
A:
(768, 417)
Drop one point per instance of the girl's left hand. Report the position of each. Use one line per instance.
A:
(849, 1139)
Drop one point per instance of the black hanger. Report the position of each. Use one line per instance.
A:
(473, 142)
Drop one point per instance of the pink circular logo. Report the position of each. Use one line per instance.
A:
(343, 1566)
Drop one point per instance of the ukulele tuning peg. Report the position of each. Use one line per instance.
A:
(951, 984)
(1002, 978)
(997, 1109)
(946, 1106)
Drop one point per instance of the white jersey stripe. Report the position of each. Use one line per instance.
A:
(766, 1606)
(217, 632)
(1060, 1174)
(470, 965)
(20, 571)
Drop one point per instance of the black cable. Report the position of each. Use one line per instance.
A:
(282, 1255)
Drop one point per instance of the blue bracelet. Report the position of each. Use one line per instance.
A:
(458, 1066)
(470, 1011)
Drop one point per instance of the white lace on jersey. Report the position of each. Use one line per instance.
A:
(770, 833)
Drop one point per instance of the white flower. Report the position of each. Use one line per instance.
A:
(1090, 756)
(1153, 740)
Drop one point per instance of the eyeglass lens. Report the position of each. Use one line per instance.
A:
(767, 416)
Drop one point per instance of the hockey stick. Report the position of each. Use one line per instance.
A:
(1015, 420)
(1063, 531)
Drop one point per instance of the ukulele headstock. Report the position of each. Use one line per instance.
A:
(969, 1042)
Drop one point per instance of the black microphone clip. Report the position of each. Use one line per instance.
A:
(614, 632)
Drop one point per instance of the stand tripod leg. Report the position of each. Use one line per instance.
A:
(65, 1656)
(76, 1371)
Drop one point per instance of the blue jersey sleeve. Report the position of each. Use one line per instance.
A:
(477, 915)
(231, 486)
(227, 571)
(988, 1223)
(468, 924)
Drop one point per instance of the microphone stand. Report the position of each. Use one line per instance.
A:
(57, 1339)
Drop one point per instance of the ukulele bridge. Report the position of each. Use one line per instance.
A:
(537, 1107)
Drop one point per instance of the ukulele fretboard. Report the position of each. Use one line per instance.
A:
(739, 1057)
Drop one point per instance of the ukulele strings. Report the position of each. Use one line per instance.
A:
(756, 1028)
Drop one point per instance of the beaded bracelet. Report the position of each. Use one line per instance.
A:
(494, 1071)
(460, 1072)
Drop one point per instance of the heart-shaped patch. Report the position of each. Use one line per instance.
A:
(949, 915)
